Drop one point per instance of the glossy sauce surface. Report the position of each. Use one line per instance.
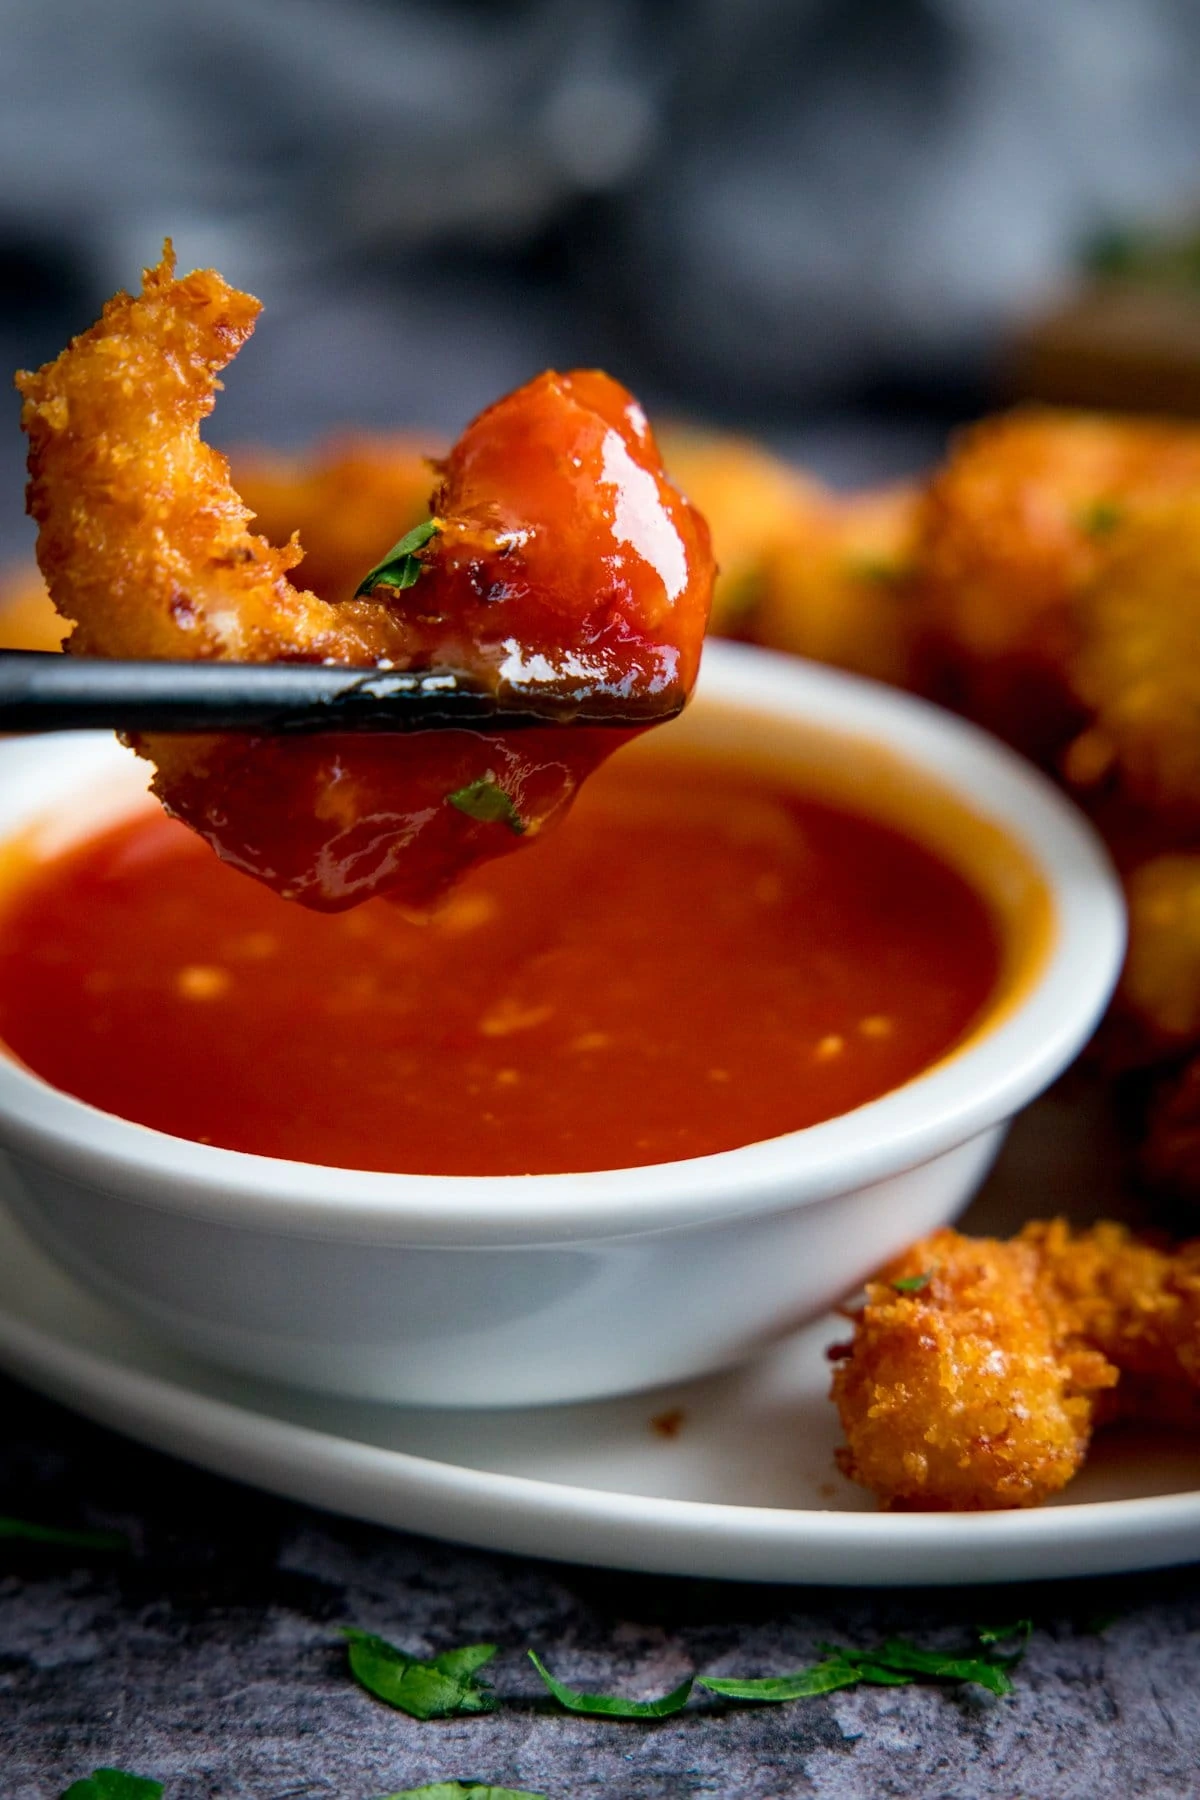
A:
(565, 562)
(694, 962)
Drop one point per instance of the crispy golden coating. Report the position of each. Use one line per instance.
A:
(349, 500)
(144, 542)
(1136, 663)
(980, 1387)
(1017, 524)
(837, 589)
(1160, 984)
(1135, 1302)
(803, 569)
(754, 504)
(967, 1393)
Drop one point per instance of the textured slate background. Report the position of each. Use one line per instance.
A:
(209, 1657)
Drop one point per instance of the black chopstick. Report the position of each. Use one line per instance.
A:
(45, 691)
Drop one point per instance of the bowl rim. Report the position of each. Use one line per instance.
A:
(979, 1085)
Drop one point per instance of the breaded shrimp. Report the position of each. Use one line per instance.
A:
(1017, 523)
(347, 500)
(837, 589)
(1135, 1302)
(1159, 993)
(144, 543)
(1135, 667)
(979, 1368)
(754, 504)
(801, 568)
(560, 548)
(962, 1389)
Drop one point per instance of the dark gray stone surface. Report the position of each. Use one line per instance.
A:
(208, 1656)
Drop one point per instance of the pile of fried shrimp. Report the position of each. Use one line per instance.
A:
(1044, 581)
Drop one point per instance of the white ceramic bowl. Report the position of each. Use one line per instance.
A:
(514, 1290)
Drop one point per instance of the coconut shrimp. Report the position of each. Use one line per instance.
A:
(962, 1388)
(979, 1368)
(556, 540)
(1136, 666)
(837, 590)
(754, 503)
(1017, 524)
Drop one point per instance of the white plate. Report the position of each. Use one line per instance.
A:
(745, 1489)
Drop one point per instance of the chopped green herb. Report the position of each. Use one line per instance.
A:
(822, 1678)
(1101, 519)
(463, 1790)
(68, 1539)
(442, 1687)
(875, 569)
(402, 567)
(913, 1284)
(1018, 1634)
(877, 1674)
(899, 1657)
(1002, 1634)
(114, 1784)
(897, 1663)
(612, 1706)
(486, 800)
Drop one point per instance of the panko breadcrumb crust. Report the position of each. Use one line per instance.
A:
(146, 547)
(979, 1368)
(967, 1391)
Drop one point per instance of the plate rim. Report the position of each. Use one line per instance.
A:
(527, 1515)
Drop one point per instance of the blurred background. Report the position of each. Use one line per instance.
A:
(840, 224)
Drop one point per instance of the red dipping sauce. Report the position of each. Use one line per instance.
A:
(696, 960)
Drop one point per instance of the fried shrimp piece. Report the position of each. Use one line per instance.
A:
(754, 503)
(1016, 525)
(348, 500)
(1136, 663)
(143, 541)
(1159, 993)
(1135, 1302)
(837, 590)
(963, 1389)
(561, 554)
(979, 1368)
(802, 569)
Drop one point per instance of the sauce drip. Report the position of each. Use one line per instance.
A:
(564, 562)
(696, 961)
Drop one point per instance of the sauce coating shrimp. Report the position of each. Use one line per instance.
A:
(561, 549)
